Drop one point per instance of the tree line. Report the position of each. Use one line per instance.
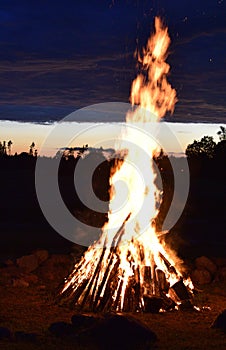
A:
(206, 148)
(6, 149)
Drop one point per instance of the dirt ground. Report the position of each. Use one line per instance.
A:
(32, 309)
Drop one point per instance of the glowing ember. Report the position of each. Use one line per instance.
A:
(129, 267)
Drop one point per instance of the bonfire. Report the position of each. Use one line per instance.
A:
(130, 268)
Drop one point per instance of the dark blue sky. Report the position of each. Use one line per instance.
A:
(56, 57)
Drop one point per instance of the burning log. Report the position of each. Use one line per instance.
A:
(105, 303)
(163, 285)
(95, 293)
(93, 281)
(180, 295)
(181, 290)
(101, 288)
(168, 304)
(154, 284)
(152, 292)
(129, 297)
(147, 275)
(152, 304)
(103, 291)
(168, 265)
(111, 257)
(71, 296)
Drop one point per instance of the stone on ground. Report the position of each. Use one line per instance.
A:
(220, 321)
(28, 263)
(205, 263)
(114, 332)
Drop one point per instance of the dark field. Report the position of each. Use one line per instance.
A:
(199, 231)
(32, 310)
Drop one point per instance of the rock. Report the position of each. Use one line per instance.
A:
(119, 332)
(31, 278)
(108, 332)
(82, 321)
(61, 260)
(218, 291)
(62, 329)
(8, 262)
(219, 262)
(220, 321)
(26, 337)
(9, 273)
(13, 275)
(42, 255)
(205, 263)
(20, 282)
(28, 263)
(49, 275)
(5, 333)
(42, 287)
(221, 274)
(55, 268)
(201, 276)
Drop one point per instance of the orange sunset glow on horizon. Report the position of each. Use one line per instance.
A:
(23, 134)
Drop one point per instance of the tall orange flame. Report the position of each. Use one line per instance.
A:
(134, 248)
(151, 91)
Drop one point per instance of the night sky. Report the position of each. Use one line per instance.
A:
(56, 57)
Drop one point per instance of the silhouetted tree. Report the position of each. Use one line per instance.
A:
(31, 150)
(66, 154)
(59, 154)
(222, 133)
(3, 150)
(84, 149)
(4, 147)
(9, 145)
(205, 147)
(220, 150)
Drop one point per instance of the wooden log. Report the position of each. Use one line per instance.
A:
(168, 304)
(106, 303)
(116, 305)
(129, 298)
(152, 304)
(113, 251)
(147, 274)
(163, 285)
(186, 305)
(181, 290)
(137, 289)
(120, 232)
(106, 275)
(92, 280)
(167, 263)
(77, 292)
(154, 283)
